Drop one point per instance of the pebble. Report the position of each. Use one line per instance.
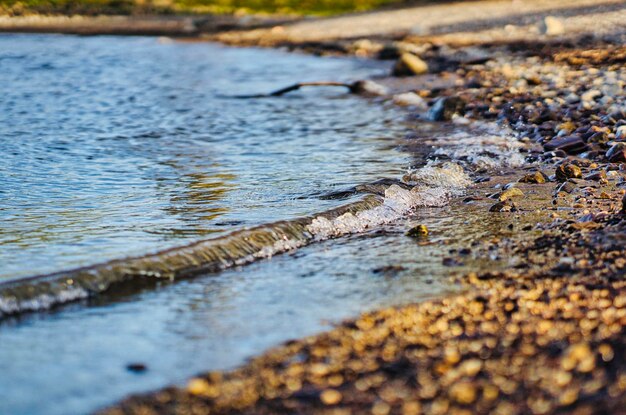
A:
(418, 231)
(330, 397)
(566, 187)
(598, 176)
(571, 144)
(510, 193)
(535, 177)
(445, 108)
(410, 64)
(617, 153)
(410, 99)
(504, 206)
(568, 171)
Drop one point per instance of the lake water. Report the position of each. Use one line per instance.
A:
(117, 146)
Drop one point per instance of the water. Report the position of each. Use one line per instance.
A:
(115, 146)
(75, 358)
(122, 146)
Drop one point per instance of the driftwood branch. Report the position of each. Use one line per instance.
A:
(297, 86)
(358, 87)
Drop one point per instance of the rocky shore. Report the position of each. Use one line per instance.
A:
(546, 335)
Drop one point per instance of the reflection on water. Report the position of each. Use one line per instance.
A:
(116, 146)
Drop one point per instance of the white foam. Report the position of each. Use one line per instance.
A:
(435, 185)
(489, 147)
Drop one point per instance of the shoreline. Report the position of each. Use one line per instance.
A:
(547, 335)
(544, 336)
(177, 26)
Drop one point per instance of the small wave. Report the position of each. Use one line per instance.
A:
(433, 185)
(483, 146)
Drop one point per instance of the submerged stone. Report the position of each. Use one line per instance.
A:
(418, 231)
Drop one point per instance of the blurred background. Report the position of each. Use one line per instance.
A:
(296, 7)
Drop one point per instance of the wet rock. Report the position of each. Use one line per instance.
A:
(418, 231)
(504, 206)
(617, 153)
(598, 176)
(568, 171)
(410, 64)
(510, 193)
(620, 132)
(368, 87)
(444, 108)
(535, 177)
(624, 205)
(572, 144)
(410, 99)
(566, 187)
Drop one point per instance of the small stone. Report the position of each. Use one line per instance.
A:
(509, 193)
(463, 393)
(502, 207)
(410, 99)
(410, 64)
(535, 177)
(598, 176)
(617, 153)
(553, 26)
(368, 87)
(571, 144)
(572, 98)
(444, 108)
(330, 397)
(591, 95)
(620, 132)
(418, 231)
(566, 187)
(568, 171)
(198, 386)
(381, 408)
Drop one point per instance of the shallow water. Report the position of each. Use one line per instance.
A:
(130, 149)
(116, 146)
(75, 358)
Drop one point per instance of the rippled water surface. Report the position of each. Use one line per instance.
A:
(76, 358)
(116, 146)
(119, 146)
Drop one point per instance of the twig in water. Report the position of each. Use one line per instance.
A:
(358, 87)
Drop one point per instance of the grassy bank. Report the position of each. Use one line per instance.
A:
(95, 7)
